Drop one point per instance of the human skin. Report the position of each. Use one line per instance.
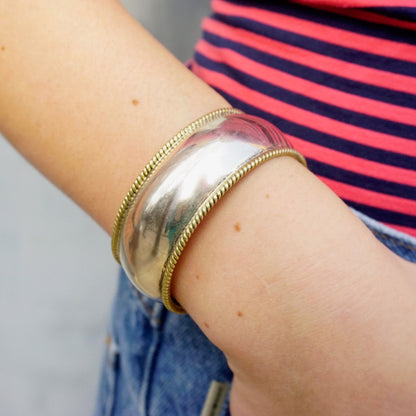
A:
(314, 315)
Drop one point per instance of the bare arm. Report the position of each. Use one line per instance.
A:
(313, 313)
(304, 289)
(86, 89)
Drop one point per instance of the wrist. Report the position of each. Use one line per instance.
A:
(300, 296)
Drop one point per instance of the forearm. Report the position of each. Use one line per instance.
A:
(86, 90)
(301, 286)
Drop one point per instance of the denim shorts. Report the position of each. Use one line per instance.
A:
(160, 364)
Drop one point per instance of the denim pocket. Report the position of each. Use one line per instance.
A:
(108, 381)
(157, 363)
(131, 349)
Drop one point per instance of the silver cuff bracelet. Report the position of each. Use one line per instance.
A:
(179, 192)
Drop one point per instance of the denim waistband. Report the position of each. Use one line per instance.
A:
(404, 245)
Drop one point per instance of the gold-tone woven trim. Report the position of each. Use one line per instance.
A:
(152, 166)
(202, 211)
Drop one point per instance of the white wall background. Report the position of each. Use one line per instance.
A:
(57, 275)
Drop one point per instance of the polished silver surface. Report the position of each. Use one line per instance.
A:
(181, 185)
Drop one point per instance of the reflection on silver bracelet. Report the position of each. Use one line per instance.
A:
(177, 195)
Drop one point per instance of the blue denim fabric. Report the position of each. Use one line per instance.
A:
(402, 244)
(161, 364)
(156, 362)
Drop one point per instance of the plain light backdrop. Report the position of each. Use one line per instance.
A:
(57, 274)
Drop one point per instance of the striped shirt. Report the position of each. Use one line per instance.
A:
(339, 78)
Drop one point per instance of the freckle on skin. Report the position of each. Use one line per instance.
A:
(197, 277)
(267, 196)
(237, 227)
(135, 102)
(240, 314)
(3, 48)
(206, 325)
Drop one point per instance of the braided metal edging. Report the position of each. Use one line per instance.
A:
(151, 167)
(166, 278)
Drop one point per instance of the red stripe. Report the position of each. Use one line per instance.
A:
(406, 230)
(313, 60)
(308, 118)
(307, 88)
(371, 198)
(340, 37)
(353, 163)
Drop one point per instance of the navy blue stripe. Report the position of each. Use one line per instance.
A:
(323, 48)
(314, 75)
(407, 14)
(330, 18)
(365, 152)
(318, 107)
(363, 181)
(383, 215)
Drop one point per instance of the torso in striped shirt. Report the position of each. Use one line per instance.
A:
(339, 78)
